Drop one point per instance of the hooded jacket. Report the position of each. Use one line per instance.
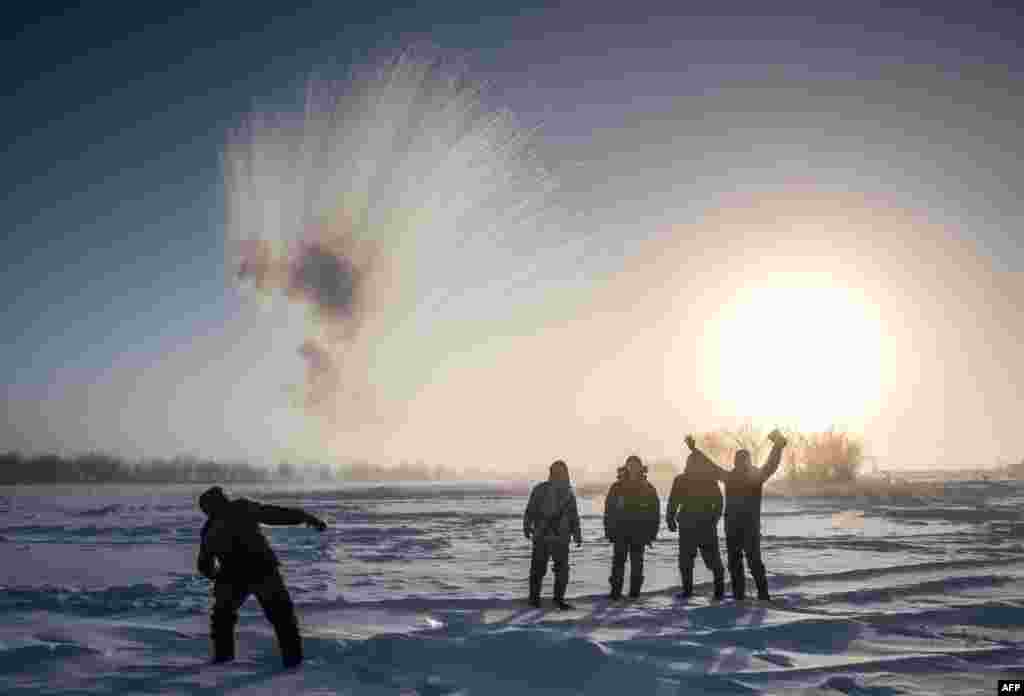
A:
(233, 537)
(632, 511)
(551, 513)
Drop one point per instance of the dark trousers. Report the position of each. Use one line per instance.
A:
(228, 597)
(743, 538)
(699, 532)
(624, 547)
(552, 549)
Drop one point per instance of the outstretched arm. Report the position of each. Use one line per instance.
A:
(275, 514)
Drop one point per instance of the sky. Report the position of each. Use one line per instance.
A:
(803, 218)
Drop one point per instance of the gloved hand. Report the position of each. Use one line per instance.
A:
(671, 524)
(206, 568)
(650, 544)
(316, 523)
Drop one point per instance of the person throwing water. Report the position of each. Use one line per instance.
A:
(234, 554)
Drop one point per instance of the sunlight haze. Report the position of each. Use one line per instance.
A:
(549, 239)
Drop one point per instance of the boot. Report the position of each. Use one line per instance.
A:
(686, 586)
(535, 592)
(616, 583)
(635, 583)
(222, 652)
(222, 636)
(286, 628)
(739, 586)
(290, 643)
(559, 594)
(719, 587)
(762, 586)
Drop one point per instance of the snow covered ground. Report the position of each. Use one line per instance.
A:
(418, 589)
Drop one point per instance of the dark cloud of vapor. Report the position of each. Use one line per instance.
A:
(326, 272)
(328, 280)
(394, 192)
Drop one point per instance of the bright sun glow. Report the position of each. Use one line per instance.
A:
(805, 357)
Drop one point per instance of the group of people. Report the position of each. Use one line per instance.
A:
(632, 517)
(236, 556)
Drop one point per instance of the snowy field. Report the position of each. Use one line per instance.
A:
(418, 589)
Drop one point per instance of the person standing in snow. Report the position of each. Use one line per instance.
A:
(743, 487)
(695, 506)
(632, 515)
(550, 519)
(234, 554)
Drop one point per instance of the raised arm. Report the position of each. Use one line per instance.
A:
(774, 457)
(697, 456)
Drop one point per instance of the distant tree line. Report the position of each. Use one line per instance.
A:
(1016, 470)
(94, 467)
(16, 468)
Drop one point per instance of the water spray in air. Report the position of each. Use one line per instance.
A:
(386, 194)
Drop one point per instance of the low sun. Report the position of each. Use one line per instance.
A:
(804, 357)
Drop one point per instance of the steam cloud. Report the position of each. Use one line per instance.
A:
(361, 205)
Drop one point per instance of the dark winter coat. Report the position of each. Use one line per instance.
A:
(552, 514)
(695, 491)
(233, 537)
(632, 511)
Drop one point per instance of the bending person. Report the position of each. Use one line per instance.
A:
(743, 487)
(632, 515)
(552, 517)
(236, 556)
(695, 506)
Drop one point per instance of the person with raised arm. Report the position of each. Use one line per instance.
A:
(695, 506)
(743, 488)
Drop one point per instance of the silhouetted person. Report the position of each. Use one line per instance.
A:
(551, 518)
(743, 487)
(632, 515)
(234, 554)
(696, 505)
